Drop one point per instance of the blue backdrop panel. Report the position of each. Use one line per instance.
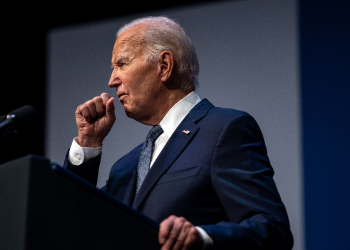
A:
(325, 81)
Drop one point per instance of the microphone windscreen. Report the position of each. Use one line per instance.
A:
(24, 115)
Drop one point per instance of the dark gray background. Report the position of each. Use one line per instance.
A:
(248, 54)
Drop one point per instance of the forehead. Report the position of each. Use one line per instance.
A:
(131, 40)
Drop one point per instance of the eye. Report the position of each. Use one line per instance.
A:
(117, 65)
(121, 63)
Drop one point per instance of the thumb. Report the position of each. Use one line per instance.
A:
(110, 107)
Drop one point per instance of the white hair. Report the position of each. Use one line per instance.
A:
(163, 34)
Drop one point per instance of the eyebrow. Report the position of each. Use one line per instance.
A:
(125, 58)
(117, 60)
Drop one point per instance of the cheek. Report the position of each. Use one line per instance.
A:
(141, 85)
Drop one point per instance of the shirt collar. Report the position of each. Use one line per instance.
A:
(178, 112)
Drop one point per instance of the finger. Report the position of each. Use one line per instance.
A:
(84, 111)
(179, 243)
(78, 110)
(110, 108)
(193, 238)
(100, 110)
(174, 233)
(105, 97)
(164, 229)
(92, 109)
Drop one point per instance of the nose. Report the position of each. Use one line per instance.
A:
(114, 81)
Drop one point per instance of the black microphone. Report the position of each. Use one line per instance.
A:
(17, 120)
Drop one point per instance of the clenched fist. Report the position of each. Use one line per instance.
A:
(95, 119)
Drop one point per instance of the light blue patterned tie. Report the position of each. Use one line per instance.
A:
(146, 155)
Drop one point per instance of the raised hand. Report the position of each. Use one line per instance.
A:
(95, 119)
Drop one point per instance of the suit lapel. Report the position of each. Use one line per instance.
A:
(176, 144)
(131, 189)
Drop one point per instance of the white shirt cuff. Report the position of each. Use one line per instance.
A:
(208, 241)
(77, 154)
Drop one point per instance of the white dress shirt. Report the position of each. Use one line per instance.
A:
(78, 155)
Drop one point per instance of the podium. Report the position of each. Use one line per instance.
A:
(43, 206)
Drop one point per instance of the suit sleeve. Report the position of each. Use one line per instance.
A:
(242, 178)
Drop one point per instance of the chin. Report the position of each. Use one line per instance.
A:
(128, 114)
(131, 115)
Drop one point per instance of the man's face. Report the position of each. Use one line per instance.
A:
(137, 80)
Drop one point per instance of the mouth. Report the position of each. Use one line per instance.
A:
(121, 97)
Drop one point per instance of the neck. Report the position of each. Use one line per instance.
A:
(165, 103)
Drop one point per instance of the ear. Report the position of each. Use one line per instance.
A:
(166, 63)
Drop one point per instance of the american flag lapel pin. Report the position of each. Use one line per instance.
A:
(186, 131)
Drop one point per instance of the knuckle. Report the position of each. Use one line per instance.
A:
(172, 217)
(166, 222)
(180, 221)
(105, 96)
(87, 104)
(78, 110)
(187, 224)
(83, 109)
(193, 231)
(91, 103)
(96, 99)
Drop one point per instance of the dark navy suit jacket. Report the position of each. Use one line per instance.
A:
(218, 177)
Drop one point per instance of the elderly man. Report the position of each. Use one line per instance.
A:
(203, 172)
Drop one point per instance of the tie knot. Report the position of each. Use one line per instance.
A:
(154, 133)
